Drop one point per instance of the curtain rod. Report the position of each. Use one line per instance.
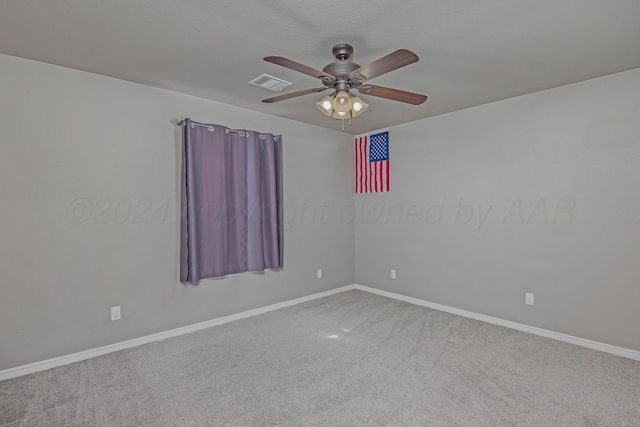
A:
(210, 127)
(241, 132)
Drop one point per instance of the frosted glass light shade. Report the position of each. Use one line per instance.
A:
(325, 105)
(339, 115)
(358, 106)
(342, 102)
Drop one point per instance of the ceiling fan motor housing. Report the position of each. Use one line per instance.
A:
(341, 68)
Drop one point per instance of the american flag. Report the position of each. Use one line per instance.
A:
(372, 163)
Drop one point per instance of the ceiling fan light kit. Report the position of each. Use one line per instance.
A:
(334, 106)
(345, 75)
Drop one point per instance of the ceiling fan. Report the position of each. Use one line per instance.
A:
(344, 75)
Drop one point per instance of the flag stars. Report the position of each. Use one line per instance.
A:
(379, 148)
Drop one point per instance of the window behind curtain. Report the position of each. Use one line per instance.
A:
(231, 201)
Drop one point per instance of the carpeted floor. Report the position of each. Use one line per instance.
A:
(351, 359)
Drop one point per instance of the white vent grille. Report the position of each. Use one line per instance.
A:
(271, 83)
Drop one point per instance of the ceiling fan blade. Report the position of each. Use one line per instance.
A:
(294, 94)
(390, 62)
(394, 94)
(297, 66)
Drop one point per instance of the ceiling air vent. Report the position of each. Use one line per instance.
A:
(266, 81)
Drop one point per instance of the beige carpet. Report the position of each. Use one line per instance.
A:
(351, 359)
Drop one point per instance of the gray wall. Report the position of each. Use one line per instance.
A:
(89, 212)
(534, 194)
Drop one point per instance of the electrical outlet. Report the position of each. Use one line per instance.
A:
(115, 313)
(393, 274)
(528, 299)
(320, 274)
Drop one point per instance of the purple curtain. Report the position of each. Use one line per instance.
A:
(231, 201)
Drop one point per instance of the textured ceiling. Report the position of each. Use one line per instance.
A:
(471, 51)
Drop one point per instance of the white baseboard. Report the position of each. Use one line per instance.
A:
(88, 354)
(595, 345)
